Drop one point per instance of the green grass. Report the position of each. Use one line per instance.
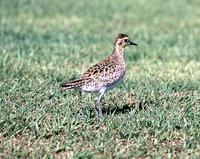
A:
(154, 113)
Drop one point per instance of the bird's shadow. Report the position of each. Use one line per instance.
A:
(117, 110)
(126, 108)
(113, 110)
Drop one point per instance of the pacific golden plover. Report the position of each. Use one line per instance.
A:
(106, 74)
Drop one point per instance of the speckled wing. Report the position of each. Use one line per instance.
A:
(75, 83)
(103, 74)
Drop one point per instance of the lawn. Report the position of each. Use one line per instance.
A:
(154, 113)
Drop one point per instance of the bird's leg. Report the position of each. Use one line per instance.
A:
(102, 91)
(100, 107)
(80, 93)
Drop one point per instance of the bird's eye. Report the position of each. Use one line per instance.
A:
(126, 40)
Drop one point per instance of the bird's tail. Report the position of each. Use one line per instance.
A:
(73, 84)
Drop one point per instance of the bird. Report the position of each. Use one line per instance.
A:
(104, 75)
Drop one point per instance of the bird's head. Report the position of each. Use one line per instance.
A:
(123, 40)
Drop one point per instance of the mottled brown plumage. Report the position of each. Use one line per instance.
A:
(106, 74)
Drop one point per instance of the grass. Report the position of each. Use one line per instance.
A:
(154, 113)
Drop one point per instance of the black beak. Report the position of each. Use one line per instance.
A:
(132, 43)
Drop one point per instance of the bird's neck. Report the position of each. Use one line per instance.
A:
(119, 52)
